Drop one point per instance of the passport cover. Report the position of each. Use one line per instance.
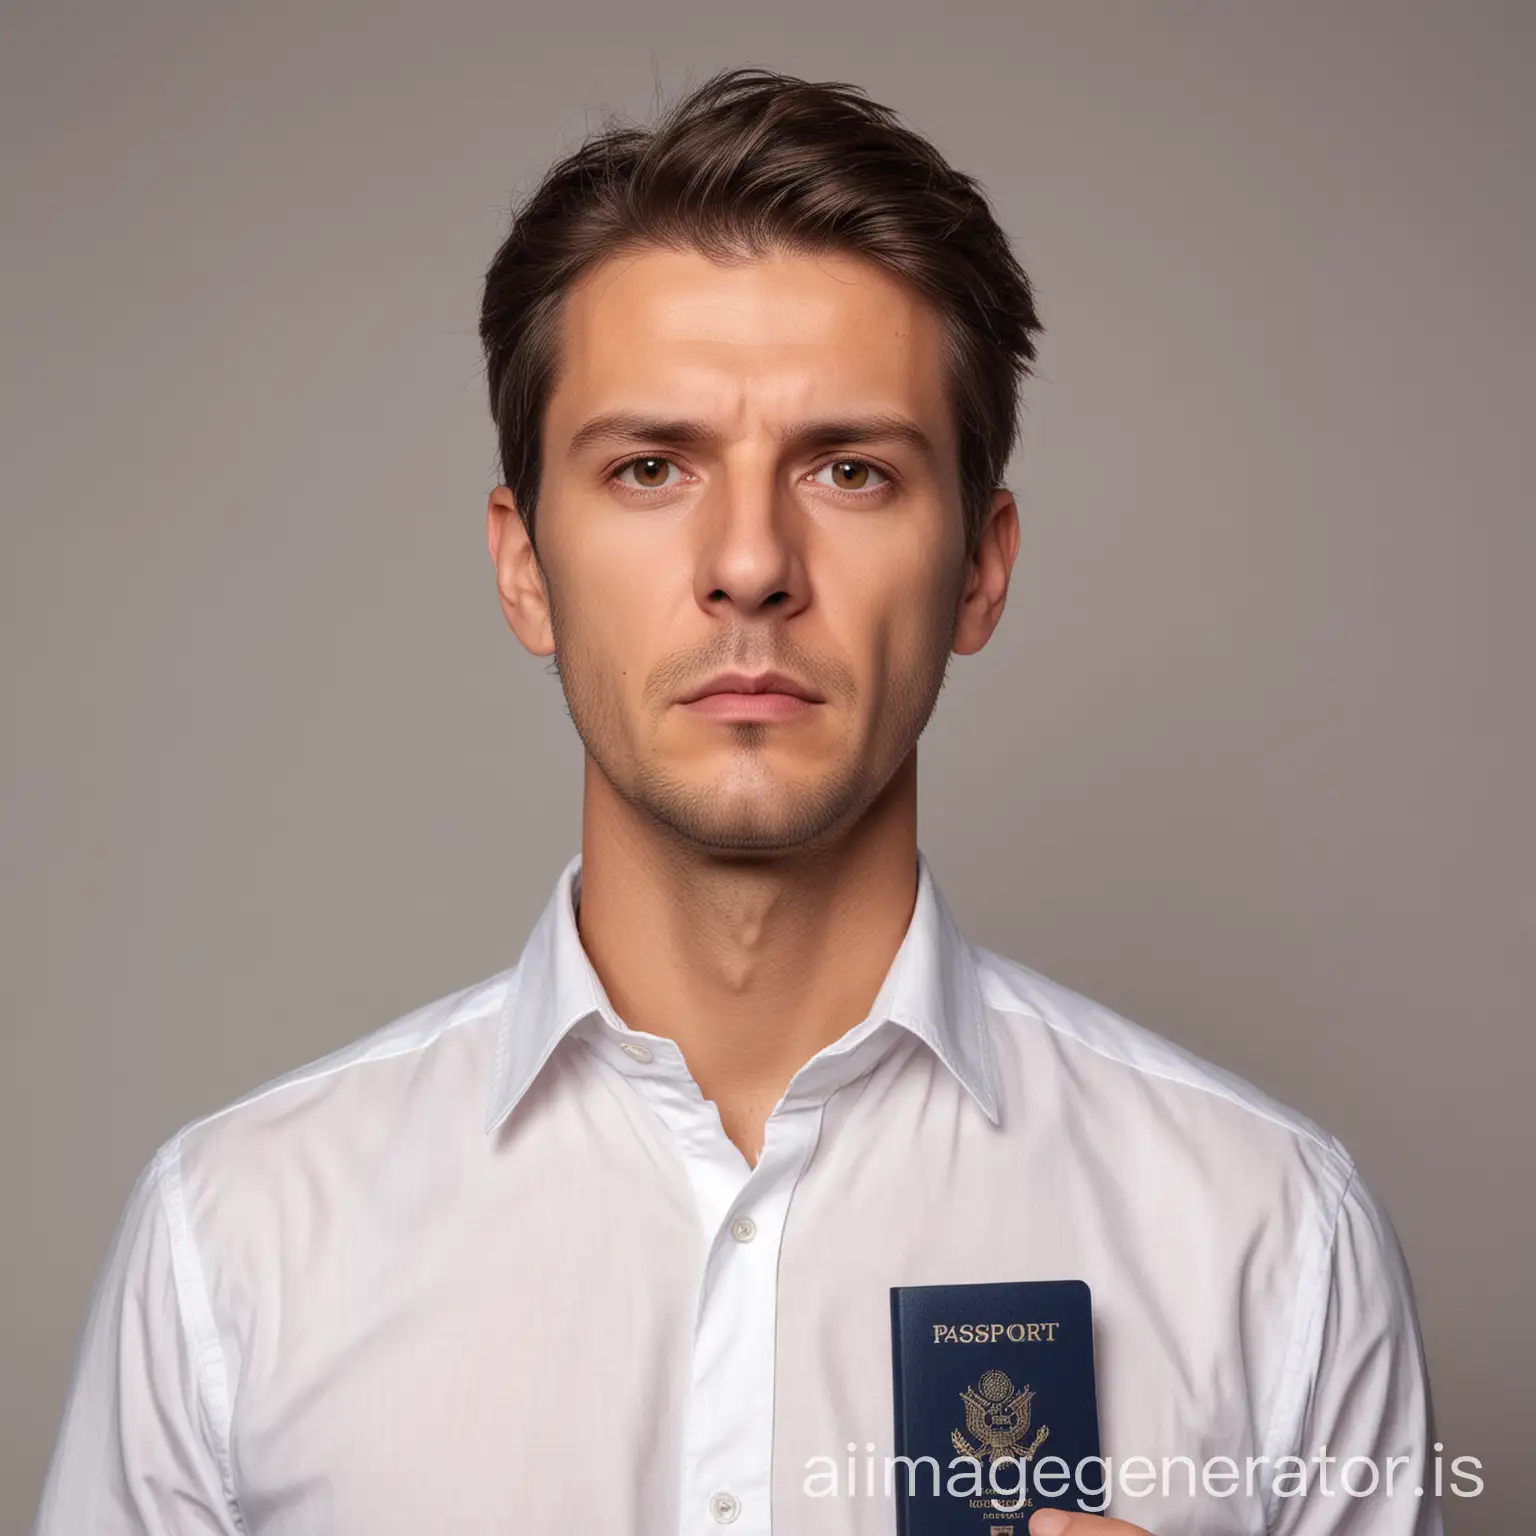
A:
(991, 1372)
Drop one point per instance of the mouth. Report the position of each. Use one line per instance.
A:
(744, 697)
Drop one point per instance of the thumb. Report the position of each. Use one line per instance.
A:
(1062, 1522)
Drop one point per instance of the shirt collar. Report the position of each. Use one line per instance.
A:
(931, 990)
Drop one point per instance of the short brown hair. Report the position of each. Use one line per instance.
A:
(750, 162)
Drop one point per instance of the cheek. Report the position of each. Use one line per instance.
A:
(894, 613)
(622, 600)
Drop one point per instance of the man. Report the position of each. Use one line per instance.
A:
(605, 1242)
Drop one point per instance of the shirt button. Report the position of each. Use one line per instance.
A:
(743, 1229)
(636, 1051)
(724, 1507)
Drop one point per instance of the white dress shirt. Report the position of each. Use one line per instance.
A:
(497, 1268)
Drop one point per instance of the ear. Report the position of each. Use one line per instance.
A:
(519, 580)
(986, 580)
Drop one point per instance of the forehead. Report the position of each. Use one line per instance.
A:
(784, 336)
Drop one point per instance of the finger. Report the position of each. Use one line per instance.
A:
(1062, 1522)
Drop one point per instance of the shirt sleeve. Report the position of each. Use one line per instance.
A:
(137, 1449)
(1368, 1411)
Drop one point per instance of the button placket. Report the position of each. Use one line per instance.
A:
(728, 1445)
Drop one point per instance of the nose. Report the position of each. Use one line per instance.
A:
(751, 561)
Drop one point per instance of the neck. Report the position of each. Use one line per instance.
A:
(752, 965)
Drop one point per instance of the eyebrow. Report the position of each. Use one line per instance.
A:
(617, 427)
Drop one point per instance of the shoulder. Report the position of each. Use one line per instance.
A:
(1156, 1095)
(428, 1068)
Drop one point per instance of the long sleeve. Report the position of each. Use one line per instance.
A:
(137, 1449)
(1368, 1396)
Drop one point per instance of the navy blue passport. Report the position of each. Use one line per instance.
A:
(994, 1383)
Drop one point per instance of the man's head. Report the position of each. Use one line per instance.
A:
(755, 375)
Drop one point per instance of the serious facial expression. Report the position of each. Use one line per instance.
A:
(749, 537)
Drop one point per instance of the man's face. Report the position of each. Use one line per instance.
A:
(747, 469)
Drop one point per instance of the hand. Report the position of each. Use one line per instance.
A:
(1062, 1522)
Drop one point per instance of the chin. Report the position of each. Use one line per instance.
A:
(726, 821)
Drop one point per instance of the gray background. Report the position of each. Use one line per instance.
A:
(1249, 761)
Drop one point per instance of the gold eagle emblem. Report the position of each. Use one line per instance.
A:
(998, 1419)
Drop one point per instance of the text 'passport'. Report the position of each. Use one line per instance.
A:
(995, 1404)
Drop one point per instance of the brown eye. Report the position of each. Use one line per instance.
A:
(851, 475)
(650, 472)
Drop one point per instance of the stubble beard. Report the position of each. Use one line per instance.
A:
(778, 817)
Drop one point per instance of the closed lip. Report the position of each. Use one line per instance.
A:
(761, 682)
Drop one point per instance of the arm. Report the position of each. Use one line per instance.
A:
(1366, 1395)
(1369, 1392)
(138, 1451)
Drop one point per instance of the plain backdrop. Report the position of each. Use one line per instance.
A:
(1251, 759)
